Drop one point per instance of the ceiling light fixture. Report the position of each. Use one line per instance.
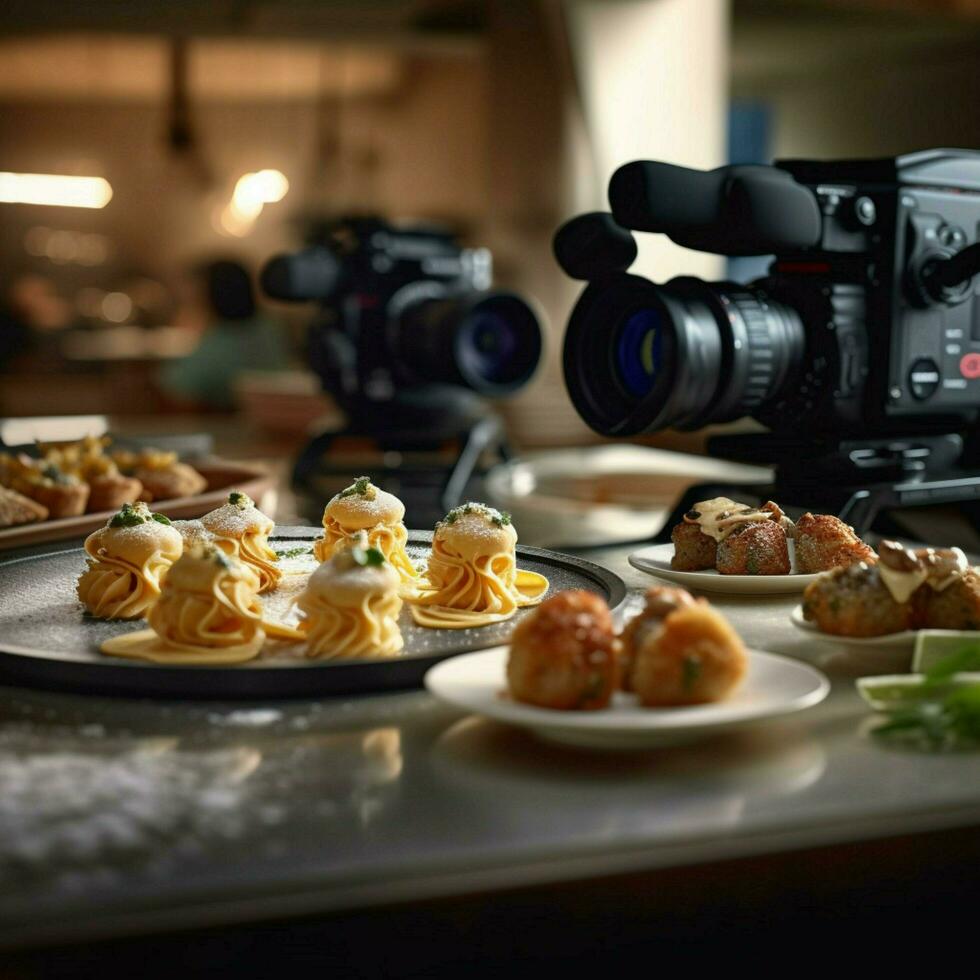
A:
(54, 189)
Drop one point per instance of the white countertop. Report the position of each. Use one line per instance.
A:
(119, 815)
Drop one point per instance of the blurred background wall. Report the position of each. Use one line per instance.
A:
(498, 117)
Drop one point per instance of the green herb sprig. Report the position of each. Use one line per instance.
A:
(358, 488)
(294, 552)
(132, 515)
(939, 721)
(367, 557)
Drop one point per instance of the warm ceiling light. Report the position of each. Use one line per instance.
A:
(55, 189)
(252, 192)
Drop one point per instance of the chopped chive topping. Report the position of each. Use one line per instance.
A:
(358, 488)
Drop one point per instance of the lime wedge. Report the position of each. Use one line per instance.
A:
(931, 646)
(885, 692)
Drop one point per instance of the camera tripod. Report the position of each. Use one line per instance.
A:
(858, 480)
(444, 432)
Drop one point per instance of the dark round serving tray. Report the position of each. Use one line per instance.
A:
(45, 639)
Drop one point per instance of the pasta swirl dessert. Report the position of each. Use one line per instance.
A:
(350, 606)
(208, 613)
(127, 561)
(365, 507)
(472, 577)
(241, 530)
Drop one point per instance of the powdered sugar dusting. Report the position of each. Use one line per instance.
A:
(145, 535)
(84, 811)
(360, 511)
(232, 521)
(193, 532)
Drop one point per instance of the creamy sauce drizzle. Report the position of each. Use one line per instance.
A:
(903, 570)
(719, 516)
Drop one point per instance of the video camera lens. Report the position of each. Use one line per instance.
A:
(490, 342)
(640, 357)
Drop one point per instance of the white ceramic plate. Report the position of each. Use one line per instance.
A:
(774, 686)
(656, 561)
(904, 641)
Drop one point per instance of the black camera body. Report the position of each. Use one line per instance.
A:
(406, 316)
(867, 326)
(899, 349)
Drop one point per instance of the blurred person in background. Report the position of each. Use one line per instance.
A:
(235, 337)
(32, 316)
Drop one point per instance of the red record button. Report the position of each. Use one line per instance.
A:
(970, 366)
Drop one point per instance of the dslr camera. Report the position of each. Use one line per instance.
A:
(407, 317)
(864, 335)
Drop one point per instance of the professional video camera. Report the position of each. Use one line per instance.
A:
(860, 350)
(409, 339)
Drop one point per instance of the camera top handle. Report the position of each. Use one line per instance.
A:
(736, 210)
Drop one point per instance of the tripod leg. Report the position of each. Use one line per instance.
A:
(485, 433)
(308, 461)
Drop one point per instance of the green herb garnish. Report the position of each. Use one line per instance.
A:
(240, 499)
(500, 518)
(294, 552)
(942, 720)
(358, 488)
(690, 671)
(964, 660)
(367, 557)
(130, 516)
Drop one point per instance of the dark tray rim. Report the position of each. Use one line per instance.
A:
(35, 667)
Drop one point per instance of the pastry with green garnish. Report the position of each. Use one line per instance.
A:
(128, 560)
(380, 515)
(241, 530)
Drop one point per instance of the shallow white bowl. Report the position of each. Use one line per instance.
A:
(904, 641)
(774, 686)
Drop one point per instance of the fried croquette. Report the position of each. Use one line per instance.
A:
(694, 551)
(956, 607)
(694, 657)
(755, 549)
(661, 600)
(824, 542)
(565, 654)
(853, 601)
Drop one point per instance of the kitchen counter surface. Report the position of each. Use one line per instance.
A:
(121, 816)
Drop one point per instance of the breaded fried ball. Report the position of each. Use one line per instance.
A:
(661, 600)
(824, 542)
(853, 601)
(694, 551)
(759, 548)
(565, 654)
(957, 607)
(695, 657)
